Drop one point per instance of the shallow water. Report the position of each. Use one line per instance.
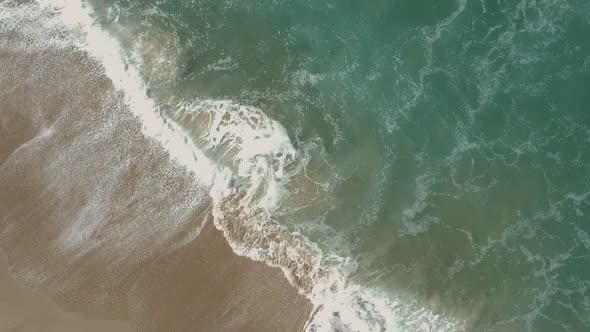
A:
(102, 214)
(436, 152)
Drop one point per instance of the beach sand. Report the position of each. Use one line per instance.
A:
(26, 310)
(108, 231)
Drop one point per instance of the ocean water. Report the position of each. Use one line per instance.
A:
(411, 165)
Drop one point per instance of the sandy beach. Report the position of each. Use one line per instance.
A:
(26, 310)
(109, 233)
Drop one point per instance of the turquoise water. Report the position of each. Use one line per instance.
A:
(446, 143)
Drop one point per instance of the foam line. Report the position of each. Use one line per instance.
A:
(257, 155)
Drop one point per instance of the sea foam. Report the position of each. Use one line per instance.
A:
(246, 158)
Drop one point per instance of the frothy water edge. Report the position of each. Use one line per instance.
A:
(338, 305)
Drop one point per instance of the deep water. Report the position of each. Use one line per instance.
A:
(447, 142)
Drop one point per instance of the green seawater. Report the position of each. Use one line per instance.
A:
(449, 140)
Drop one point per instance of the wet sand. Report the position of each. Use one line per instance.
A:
(26, 310)
(97, 220)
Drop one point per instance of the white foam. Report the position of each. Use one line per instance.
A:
(303, 77)
(222, 64)
(341, 306)
(584, 238)
(127, 79)
(413, 223)
(256, 146)
(261, 154)
(35, 25)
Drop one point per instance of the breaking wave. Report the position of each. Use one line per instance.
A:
(248, 161)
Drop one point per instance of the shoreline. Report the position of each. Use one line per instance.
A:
(97, 217)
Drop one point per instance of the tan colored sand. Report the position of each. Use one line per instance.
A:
(96, 218)
(26, 310)
(206, 287)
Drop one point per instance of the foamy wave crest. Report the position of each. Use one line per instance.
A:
(254, 148)
(256, 160)
(247, 159)
(76, 19)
